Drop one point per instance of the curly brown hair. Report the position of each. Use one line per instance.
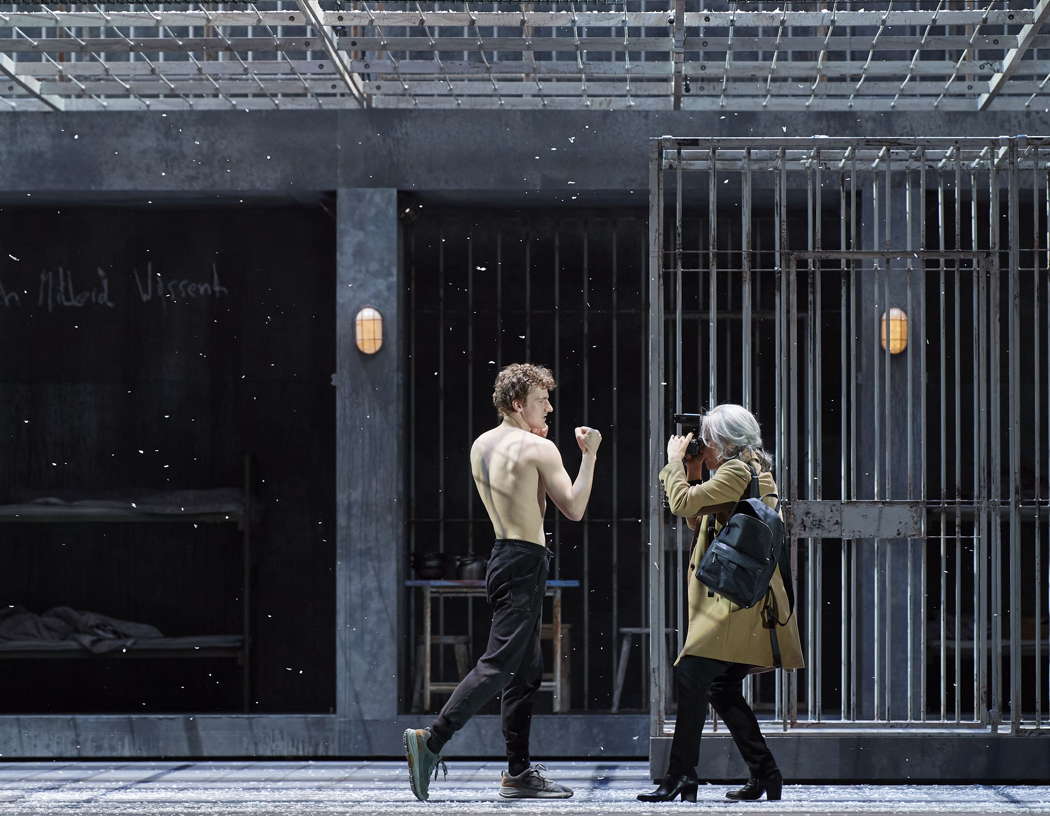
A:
(514, 383)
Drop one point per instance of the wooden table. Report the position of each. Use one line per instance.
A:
(466, 589)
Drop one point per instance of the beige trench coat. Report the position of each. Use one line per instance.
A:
(719, 628)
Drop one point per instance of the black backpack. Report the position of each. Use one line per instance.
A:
(739, 562)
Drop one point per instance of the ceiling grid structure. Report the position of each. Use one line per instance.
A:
(694, 55)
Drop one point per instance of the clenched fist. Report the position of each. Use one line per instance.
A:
(588, 439)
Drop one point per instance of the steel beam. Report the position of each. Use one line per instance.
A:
(1012, 62)
(29, 84)
(312, 10)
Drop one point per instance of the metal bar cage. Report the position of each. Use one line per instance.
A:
(841, 55)
(565, 289)
(881, 305)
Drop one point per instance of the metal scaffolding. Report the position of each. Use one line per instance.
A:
(914, 478)
(839, 55)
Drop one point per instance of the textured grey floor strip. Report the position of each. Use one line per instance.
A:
(371, 788)
(145, 780)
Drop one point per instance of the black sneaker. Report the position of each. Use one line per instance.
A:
(421, 761)
(532, 784)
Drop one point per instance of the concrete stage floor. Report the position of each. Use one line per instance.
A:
(366, 787)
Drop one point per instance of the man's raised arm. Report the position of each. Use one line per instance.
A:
(570, 497)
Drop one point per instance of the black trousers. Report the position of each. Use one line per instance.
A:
(699, 680)
(513, 663)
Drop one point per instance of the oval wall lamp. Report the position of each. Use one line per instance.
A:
(894, 333)
(368, 330)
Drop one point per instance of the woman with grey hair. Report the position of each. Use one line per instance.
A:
(725, 642)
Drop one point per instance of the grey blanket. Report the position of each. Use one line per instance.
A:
(94, 632)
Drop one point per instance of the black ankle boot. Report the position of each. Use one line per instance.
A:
(770, 785)
(670, 788)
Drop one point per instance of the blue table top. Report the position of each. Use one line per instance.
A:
(554, 583)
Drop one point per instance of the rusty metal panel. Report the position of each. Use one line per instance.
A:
(855, 519)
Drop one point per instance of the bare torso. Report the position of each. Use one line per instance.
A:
(503, 463)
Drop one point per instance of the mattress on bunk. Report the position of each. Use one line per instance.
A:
(176, 502)
(120, 646)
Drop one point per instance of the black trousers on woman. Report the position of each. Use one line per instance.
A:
(699, 680)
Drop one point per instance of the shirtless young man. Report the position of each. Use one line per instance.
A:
(515, 468)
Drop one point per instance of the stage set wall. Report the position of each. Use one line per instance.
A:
(301, 213)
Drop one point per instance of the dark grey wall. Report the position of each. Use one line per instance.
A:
(294, 153)
(137, 390)
(142, 160)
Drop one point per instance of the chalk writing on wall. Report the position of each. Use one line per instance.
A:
(63, 288)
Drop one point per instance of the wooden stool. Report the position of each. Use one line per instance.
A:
(626, 635)
(563, 690)
(461, 648)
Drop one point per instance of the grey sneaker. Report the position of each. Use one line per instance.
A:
(532, 784)
(421, 761)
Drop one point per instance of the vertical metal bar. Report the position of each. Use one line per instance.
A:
(843, 466)
(957, 380)
(957, 449)
(585, 307)
(745, 280)
(887, 485)
(1046, 383)
(679, 571)
(879, 308)
(942, 427)
(427, 623)
(645, 564)
(443, 283)
(812, 597)
(995, 433)
(779, 251)
(246, 586)
(557, 377)
(816, 432)
(413, 510)
(923, 426)
(712, 271)
(1014, 419)
(470, 414)
(614, 400)
(657, 667)
(792, 350)
(877, 415)
(854, 493)
(792, 681)
(499, 296)
(559, 704)
(979, 490)
(746, 325)
(910, 353)
(1037, 414)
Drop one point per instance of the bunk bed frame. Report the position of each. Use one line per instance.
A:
(237, 646)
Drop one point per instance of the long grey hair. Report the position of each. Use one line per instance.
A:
(733, 432)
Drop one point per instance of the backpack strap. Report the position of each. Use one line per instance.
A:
(774, 643)
(783, 563)
(785, 575)
(752, 491)
(771, 618)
